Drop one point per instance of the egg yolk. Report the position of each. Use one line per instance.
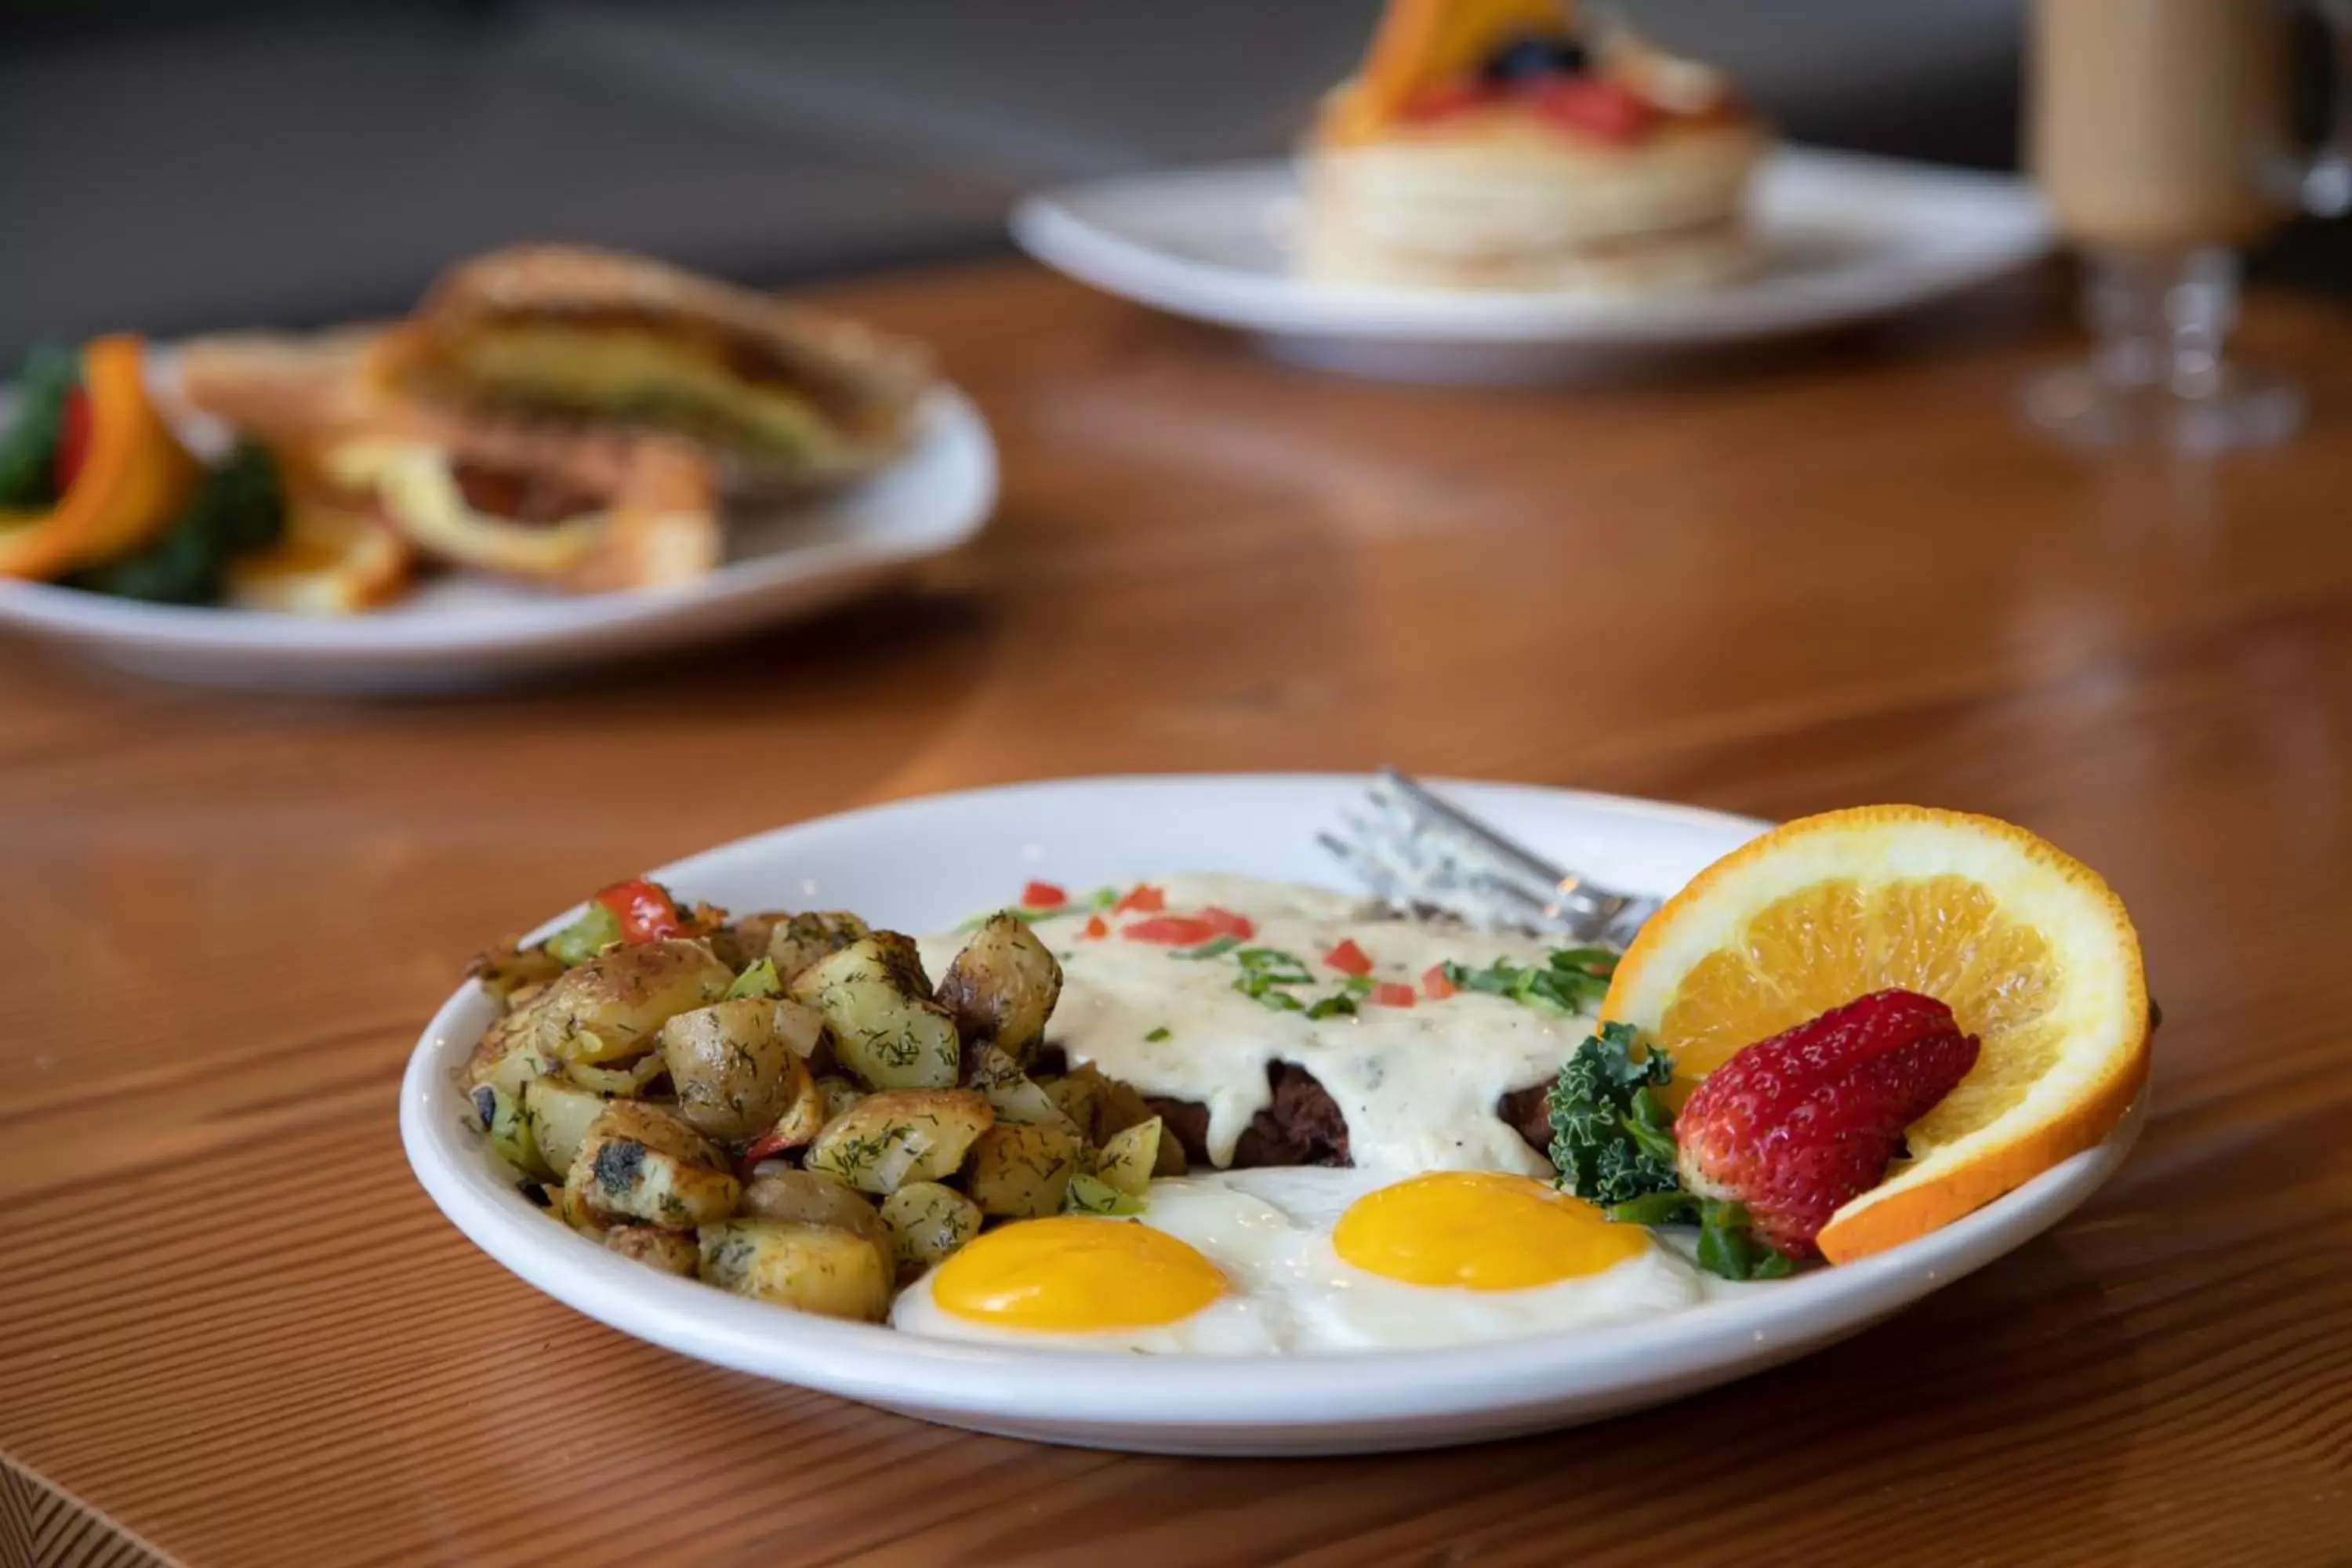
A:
(1481, 1231)
(1074, 1274)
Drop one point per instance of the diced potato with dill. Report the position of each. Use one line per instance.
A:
(927, 1222)
(509, 1130)
(839, 1094)
(645, 1162)
(1009, 1091)
(901, 1135)
(886, 1028)
(560, 1112)
(611, 1007)
(803, 1197)
(811, 1267)
(670, 1251)
(1128, 1160)
(1021, 1172)
(801, 939)
(508, 969)
(800, 1026)
(507, 1055)
(1002, 987)
(1074, 1094)
(629, 1079)
(733, 1071)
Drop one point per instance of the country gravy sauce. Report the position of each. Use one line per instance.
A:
(1418, 1084)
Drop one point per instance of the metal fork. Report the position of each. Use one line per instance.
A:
(1431, 859)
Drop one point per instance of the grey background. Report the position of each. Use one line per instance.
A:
(173, 166)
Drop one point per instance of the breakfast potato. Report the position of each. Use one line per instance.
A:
(611, 1007)
(503, 971)
(800, 940)
(802, 1028)
(839, 1095)
(560, 1112)
(645, 1162)
(926, 1222)
(878, 1006)
(1073, 1095)
(502, 1118)
(742, 941)
(804, 1198)
(1128, 1160)
(813, 1268)
(507, 1055)
(1009, 1091)
(733, 1071)
(1114, 1106)
(802, 1119)
(1022, 1171)
(899, 1135)
(627, 1080)
(666, 1250)
(1002, 987)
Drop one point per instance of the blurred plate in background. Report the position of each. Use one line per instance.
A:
(466, 631)
(1847, 237)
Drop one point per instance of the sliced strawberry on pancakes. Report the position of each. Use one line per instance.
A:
(1795, 1125)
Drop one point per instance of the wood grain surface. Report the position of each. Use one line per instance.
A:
(1829, 573)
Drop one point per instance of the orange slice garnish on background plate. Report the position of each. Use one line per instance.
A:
(2026, 944)
(1423, 44)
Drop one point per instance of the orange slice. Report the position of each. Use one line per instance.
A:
(2031, 950)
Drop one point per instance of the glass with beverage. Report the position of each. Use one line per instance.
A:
(2159, 131)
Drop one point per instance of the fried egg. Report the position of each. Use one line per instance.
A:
(1262, 1261)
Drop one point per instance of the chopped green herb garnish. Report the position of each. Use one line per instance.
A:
(1613, 1140)
(1159, 1034)
(1216, 948)
(1357, 984)
(1102, 898)
(759, 980)
(1572, 980)
(1340, 1005)
(587, 937)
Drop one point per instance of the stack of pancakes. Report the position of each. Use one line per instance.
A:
(1496, 144)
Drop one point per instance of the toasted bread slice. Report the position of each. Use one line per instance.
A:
(787, 397)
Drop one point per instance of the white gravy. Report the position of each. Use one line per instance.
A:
(1419, 1085)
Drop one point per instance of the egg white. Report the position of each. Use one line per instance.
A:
(1270, 1232)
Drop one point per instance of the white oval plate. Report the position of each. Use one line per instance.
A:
(1847, 237)
(470, 631)
(923, 863)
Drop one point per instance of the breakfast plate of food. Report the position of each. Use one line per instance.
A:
(1507, 190)
(1140, 1151)
(561, 456)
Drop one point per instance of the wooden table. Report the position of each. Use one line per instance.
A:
(235, 1327)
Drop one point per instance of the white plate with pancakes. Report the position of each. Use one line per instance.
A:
(922, 865)
(471, 632)
(1843, 238)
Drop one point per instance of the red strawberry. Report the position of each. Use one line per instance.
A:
(1795, 1125)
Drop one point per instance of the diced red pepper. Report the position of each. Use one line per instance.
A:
(1350, 959)
(1043, 896)
(1096, 928)
(1176, 931)
(1597, 107)
(765, 1146)
(1142, 899)
(1434, 984)
(73, 441)
(1392, 993)
(1229, 923)
(645, 910)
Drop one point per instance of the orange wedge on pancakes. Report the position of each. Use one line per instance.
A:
(2030, 949)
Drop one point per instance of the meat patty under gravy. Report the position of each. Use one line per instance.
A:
(1304, 1126)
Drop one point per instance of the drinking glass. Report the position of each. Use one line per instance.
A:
(2161, 140)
